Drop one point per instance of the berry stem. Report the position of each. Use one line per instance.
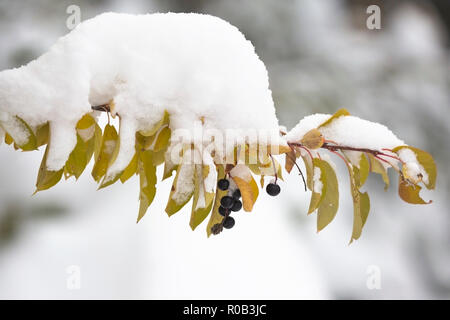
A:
(274, 168)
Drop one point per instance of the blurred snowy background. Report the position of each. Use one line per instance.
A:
(320, 57)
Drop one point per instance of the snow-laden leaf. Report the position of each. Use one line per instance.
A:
(20, 132)
(329, 202)
(426, 161)
(182, 187)
(376, 166)
(151, 131)
(243, 178)
(409, 192)
(147, 181)
(84, 149)
(109, 142)
(199, 211)
(46, 178)
(339, 113)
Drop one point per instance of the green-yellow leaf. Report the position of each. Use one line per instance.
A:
(131, 169)
(77, 161)
(361, 208)
(362, 172)
(42, 134)
(329, 203)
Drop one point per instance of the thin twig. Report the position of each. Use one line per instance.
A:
(299, 170)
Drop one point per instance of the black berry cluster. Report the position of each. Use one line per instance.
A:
(229, 203)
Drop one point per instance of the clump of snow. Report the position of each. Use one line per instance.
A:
(347, 131)
(194, 66)
(241, 171)
(306, 124)
(412, 167)
(15, 128)
(317, 183)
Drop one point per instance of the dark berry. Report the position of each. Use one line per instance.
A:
(273, 189)
(227, 202)
(223, 184)
(228, 223)
(223, 211)
(237, 194)
(236, 206)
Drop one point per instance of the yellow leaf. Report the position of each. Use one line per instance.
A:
(109, 142)
(409, 192)
(339, 113)
(313, 139)
(329, 203)
(86, 122)
(8, 139)
(147, 179)
(247, 186)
